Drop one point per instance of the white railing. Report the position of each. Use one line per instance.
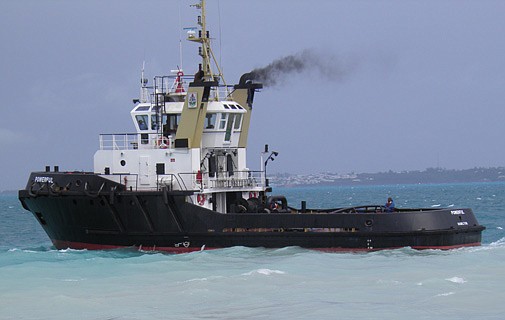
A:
(124, 141)
(247, 180)
(130, 141)
(221, 180)
(227, 180)
(222, 92)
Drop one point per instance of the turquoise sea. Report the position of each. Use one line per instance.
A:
(39, 282)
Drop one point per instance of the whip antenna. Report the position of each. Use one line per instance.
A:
(220, 34)
(180, 38)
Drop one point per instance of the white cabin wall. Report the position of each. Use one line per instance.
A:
(195, 159)
(103, 159)
(216, 139)
(241, 159)
(178, 162)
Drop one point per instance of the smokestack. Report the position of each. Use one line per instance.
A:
(247, 77)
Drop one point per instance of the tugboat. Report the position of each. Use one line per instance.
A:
(180, 183)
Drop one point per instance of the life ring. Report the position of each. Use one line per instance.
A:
(162, 142)
(201, 199)
(274, 206)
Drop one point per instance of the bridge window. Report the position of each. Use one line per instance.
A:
(142, 121)
(171, 123)
(227, 135)
(238, 121)
(222, 121)
(154, 122)
(210, 120)
(142, 108)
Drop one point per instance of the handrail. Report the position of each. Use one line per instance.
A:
(202, 181)
(161, 183)
(192, 181)
(131, 141)
(166, 85)
(359, 209)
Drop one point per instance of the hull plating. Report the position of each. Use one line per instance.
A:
(166, 221)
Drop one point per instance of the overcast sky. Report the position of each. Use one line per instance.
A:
(422, 82)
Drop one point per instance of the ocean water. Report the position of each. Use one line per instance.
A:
(39, 282)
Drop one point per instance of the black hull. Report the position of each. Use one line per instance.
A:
(111, 217)
(178, 243)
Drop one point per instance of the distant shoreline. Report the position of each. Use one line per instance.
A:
(430, 175)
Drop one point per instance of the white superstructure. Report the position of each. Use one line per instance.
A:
(191, 134)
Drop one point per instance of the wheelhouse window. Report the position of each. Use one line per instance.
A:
(154, 122)
(229, 122)
(142, 121)
(227, 135)
(171, 123)
(222, 121)
(210, 120)
(142, 108)
(238, 121)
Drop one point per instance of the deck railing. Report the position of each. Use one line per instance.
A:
(130, 141)
(164, 86)
(122, 141)
(221, 181)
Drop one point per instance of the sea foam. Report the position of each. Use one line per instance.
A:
(266, 272)
(456, 280)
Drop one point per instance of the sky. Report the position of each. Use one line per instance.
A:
(392, 85)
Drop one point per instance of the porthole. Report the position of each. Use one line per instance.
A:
(369, 223)
(123, 163)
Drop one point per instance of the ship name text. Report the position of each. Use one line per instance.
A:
(44, 179)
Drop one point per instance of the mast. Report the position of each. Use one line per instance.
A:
(205, 50)
(144, 94)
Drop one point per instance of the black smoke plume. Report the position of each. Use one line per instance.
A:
(326, 66)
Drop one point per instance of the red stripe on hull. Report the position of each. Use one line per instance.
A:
(475, 244)
(60, 245)
(90, 246)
